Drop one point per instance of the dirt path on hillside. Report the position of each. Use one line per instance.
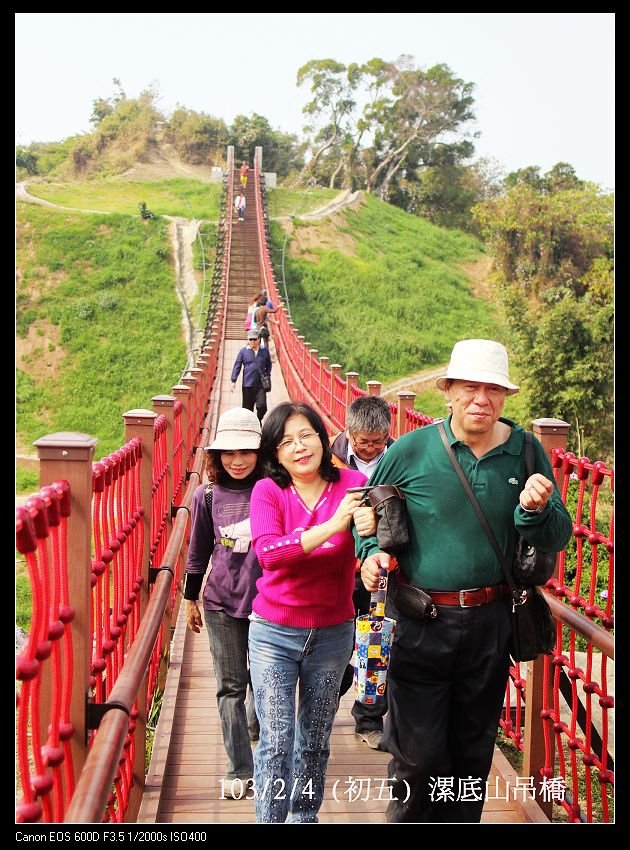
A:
(183, 234)
(21, 193)
(415, 383)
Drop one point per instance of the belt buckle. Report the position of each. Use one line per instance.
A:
(462, 603)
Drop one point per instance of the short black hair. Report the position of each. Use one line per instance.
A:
(273, 432)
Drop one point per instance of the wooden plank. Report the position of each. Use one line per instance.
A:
(187, 789)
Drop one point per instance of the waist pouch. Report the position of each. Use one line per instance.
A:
(412, 601)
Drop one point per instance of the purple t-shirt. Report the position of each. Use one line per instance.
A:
(227, 538)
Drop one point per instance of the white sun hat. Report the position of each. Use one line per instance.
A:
(238, 429)
(480, 360)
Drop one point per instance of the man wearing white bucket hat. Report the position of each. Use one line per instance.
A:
(448, 671)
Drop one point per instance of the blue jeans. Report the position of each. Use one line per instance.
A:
(228, 645)
(291, 758)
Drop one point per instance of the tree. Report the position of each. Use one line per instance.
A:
(281, 151)
(197, 137)
(332, 103)
(426, 110)
(405, 114)
(551, 237)
(27, 159)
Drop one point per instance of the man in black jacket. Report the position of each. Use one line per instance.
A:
(255, 361)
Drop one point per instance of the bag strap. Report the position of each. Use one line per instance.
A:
(480, 514)
(530, 460)
(257, 365)
(207, 497)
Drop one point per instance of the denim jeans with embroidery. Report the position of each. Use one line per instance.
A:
(292, 754)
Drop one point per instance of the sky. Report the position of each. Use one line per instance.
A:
(544, 82)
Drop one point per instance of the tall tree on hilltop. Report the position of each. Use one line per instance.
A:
(426, 109)
(404, 115)
(331, 107)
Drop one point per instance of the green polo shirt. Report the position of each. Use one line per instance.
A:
(448, 549)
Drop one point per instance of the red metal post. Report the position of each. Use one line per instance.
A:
(139, 423)
(68, 455)
(552, 433)
(405, 402)
(373, 387)
(352, 380)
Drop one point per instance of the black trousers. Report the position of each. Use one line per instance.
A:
(446, 682)
(255, 396)
(367, 718)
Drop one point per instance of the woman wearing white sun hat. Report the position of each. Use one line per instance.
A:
(221, 530)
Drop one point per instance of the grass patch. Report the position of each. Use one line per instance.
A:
(398, 304)
(105, 286)
(283, 202)
(26, 481)
(179, 196)
(22, 595)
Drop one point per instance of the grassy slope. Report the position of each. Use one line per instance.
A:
(176, 196)
(397, 304)
(99, 292)
(394, 305)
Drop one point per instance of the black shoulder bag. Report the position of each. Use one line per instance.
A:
(533, 630)
(265, 380)
(531, 566)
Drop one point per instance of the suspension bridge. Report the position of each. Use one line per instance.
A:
(108, 651)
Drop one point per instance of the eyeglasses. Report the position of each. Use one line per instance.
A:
(306, 438)
(369, 444)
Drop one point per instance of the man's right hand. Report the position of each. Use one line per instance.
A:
(370, 569)
(233, 387)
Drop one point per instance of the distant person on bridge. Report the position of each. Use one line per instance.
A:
(221, 530)
(255, 362)
(302, 624)
(448, 673)
(244, 171)
(239, 205)
(362, 446)
(260, 317)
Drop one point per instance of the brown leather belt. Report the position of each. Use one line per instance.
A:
(469, 598)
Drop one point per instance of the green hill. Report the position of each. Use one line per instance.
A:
(99, 325)
(386, 294)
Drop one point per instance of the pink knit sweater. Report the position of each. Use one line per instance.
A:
(296, 589)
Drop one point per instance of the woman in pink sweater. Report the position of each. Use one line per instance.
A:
(302, 627)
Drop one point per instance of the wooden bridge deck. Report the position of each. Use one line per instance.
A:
(188, 759)
(183, 785)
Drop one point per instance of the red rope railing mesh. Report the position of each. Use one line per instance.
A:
(116, 580)
(578, 671)
(46, 771)
(576, 719)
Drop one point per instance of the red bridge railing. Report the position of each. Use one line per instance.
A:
(109, 624)
(110, 537)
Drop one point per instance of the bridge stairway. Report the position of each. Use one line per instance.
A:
(183, 784)
(245, 281)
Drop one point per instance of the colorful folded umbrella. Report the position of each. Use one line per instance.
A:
(373, 638)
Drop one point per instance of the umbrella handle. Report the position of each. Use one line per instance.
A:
(378, 596)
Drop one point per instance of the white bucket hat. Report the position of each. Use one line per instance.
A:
(238, 429)
(479, 360)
